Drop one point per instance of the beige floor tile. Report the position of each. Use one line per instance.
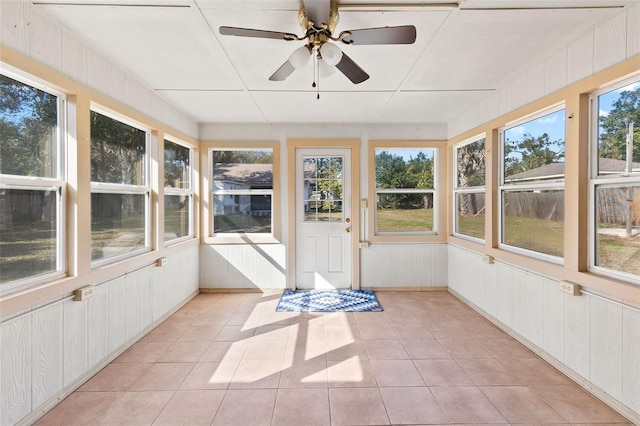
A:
(412, 331)
(210, 375)
(213, 318)
(144, 352)
(351, 372)
(265, 349)
(116, 376)
(370, 318)
(385, 349)
(575, 405)
(357, 406)
(488, 372)
(234, 333)
(442, 372)
(136, 408)
(181, 319)
(467, 405)
(342, 351)
(304, 347)
(191, 408)
(462, 347)
(249, 407)
(219, 351)
(305, 374)
(535, 371)
(80, 408)
(165, 333)
(412, 405)
(520, 405)
(200, 333)
(257, 374)
(309, 407)
(425, 349)
(342, 332)
(382, 331)
(396, 372)
(162, 376)
(272, 332)
(184, 352)
(506, 348)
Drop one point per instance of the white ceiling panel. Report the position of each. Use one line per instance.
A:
(167, 47)
(479, 49)
(216, 106)
(430, 107)
(332, 107)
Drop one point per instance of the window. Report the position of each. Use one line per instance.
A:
(469, 188)
(615, 183)
(32, 183)
(178, 192)
(532, 184)
(404, 190)
(242, 191)
(120, 190)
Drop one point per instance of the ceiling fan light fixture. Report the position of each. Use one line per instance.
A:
(331, 54)
(325, 69)
(300, 57)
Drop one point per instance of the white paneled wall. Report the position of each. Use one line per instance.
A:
(598, 340)
(403, 265)
(250, 266)
(49, 348)
(41, 38)
(614, 41)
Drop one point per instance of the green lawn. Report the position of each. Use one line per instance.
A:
(471, 225)
(408, 220)
(241, 223)
(27, 250)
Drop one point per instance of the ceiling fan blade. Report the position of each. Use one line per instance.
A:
(317, 11)
(283, 72)
(249, 32)
(350, 69)
(405, 34)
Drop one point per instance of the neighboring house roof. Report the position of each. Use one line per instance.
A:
(244, 173)
(556, 170)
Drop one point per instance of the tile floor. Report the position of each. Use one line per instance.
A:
(230, 359)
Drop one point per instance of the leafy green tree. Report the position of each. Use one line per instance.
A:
(28, 121)
(613, 133)
(393, 171)
(531, 152)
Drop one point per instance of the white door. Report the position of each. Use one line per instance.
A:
(323, 218)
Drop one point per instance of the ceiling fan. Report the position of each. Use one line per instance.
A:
(318, 19)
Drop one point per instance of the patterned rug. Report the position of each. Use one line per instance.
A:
(329, 301)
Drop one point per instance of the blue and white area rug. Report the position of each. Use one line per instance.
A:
(329, 301)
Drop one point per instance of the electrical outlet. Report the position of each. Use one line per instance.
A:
(84, 293)
(570, 288)
(161, 262)
(364, 244)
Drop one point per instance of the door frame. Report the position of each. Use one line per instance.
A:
(292, 146)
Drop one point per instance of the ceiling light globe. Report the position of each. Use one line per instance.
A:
(300, 57)
(326, 70)
(331, 53)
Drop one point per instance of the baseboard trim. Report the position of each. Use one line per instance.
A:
(204, 290)
(406, 289)
(613, 403)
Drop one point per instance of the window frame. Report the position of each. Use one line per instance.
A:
(187, 192)
(41, 183)
(468, 190)
(208, 236)
(613, 179)
(551, 184)
(440, 153)
(127, 189)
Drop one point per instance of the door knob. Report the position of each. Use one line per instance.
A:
(347, 220)
(348, 229)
